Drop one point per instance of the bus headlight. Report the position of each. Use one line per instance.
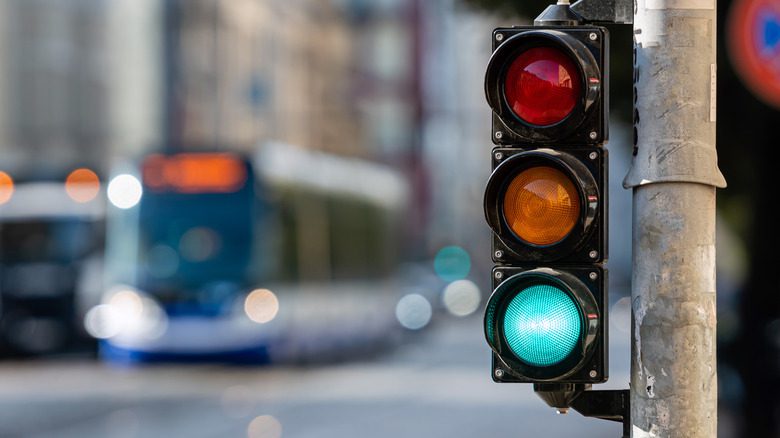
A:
(126, 312)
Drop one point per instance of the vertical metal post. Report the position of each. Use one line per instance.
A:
(674, 176)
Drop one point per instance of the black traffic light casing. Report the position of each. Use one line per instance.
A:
(589, 47)
(569, 269)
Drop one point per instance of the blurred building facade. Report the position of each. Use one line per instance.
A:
(335, 76)
(85, 78)
(90, 82)
(245, 71)
(456, 127)
(53, 94)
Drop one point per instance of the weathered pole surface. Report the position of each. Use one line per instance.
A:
(674, 177)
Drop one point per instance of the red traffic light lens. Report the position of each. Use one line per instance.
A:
(542, 86)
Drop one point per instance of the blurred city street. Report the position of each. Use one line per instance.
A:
(435, 384)
(322, 218)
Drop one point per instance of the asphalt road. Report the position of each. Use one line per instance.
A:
(435, 383)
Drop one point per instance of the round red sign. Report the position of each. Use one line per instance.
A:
(754, 46)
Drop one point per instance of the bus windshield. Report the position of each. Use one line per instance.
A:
(54, 240)
(195, 228)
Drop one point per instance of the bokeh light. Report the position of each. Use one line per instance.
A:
(125, 191)
(6, 187)
(413, 311)
(82, 185)
(462, 297)
(452, 263)
(126, 312)
(102, 321)
(129, 302)
(261, 306)
(264, 426)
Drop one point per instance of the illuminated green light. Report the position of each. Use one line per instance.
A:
(542, 325)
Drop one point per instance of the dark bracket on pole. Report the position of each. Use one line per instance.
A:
(612, 405)
(605, 11)
(587, 11)
(558, 15)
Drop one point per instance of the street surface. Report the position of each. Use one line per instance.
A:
(436, 383)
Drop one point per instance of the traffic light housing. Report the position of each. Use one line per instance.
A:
(546, 203)
(572, 231)
(548, 324)
(546, 85)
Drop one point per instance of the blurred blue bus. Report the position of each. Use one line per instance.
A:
(182, 261)
(207, 261)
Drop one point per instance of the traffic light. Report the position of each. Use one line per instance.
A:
(546, 203)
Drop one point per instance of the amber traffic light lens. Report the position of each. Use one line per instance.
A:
(541, 205)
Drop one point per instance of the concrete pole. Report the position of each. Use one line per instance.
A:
(674, 176)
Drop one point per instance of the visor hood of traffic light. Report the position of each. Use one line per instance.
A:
(542, 84)
(542, 324)
(542, 204)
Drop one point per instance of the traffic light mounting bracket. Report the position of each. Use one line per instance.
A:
(612, 405)
(588, 12)
(605, 11)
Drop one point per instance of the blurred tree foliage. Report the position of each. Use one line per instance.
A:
(621, 50)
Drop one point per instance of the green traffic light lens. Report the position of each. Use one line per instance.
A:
(542, 325)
